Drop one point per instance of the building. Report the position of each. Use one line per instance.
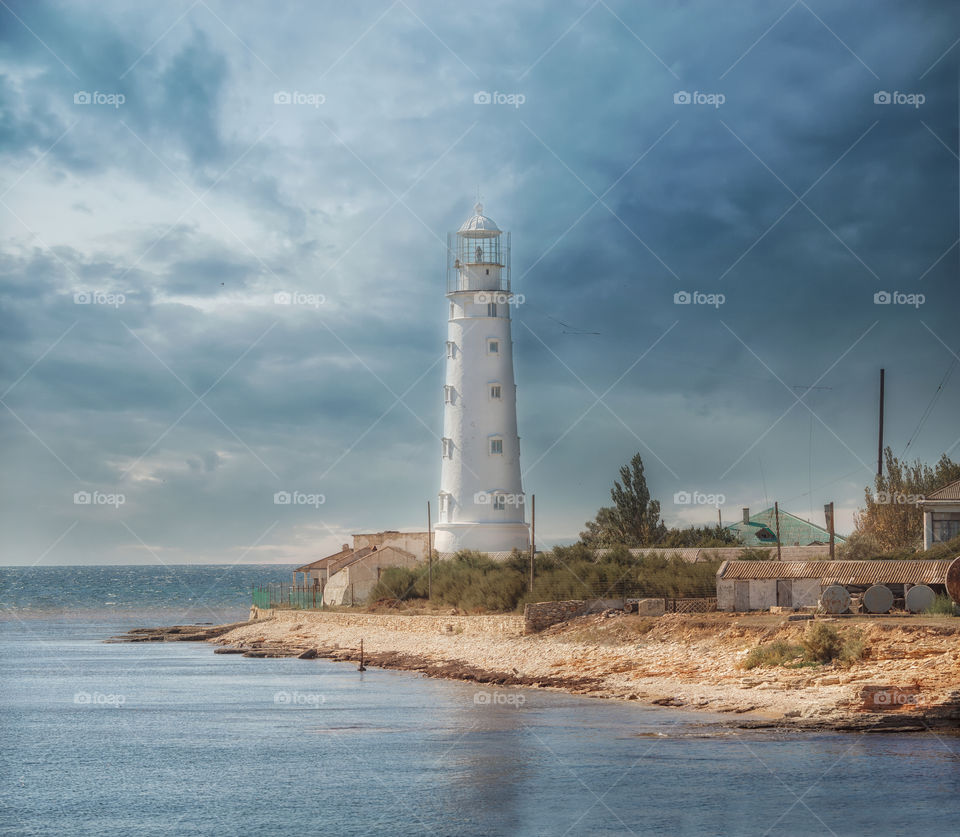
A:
(760, 585)
(392, 544)
(354, 578)
(941, 514)
(481, 501)
(761, 530)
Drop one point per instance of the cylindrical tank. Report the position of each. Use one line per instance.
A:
(835, 599)
(953, 580)
(878, 599)
(919, 598)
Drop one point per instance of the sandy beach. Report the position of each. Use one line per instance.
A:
(674, 660)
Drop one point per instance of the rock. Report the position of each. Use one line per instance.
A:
(309, 654)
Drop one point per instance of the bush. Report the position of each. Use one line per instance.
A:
(777, 653)
(942, 606)
(854, 648)
(821, 643)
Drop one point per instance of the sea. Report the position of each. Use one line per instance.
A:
(169, 739)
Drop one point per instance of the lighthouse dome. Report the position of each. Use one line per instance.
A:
(479, 225)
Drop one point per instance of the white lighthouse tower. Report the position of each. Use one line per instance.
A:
(481, 498)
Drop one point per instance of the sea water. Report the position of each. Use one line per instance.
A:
(170, 739)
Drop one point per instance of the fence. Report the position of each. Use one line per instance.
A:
(287, 597)
(704, 605)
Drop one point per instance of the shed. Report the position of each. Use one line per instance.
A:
(760, 585)
(353, 578)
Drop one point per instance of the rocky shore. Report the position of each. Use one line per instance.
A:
(909, 679)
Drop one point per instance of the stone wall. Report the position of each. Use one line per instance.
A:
(540, 615)
(504, 625)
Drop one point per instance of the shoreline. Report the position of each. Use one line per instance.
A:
(682, 662)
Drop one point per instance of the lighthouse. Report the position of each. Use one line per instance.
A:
(481, 503)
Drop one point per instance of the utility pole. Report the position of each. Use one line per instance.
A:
(828, 514)
(533, 534)
(719, 517)
(776, 513)
(429, 557)
(880, 445)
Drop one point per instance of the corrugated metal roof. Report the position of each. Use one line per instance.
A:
(841, 572)
(950, 491)
(699, 554)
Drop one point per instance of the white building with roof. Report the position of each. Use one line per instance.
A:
(481, 502)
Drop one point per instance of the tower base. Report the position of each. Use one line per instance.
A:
(482, 537)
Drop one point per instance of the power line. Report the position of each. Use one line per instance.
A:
(930, 406)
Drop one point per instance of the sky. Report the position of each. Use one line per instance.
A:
(726, 219)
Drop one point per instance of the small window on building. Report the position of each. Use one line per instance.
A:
(446, 446)
(448, 395)
(488, 271)
(765, 534)
(453, 311)
(451, 347)
(496, 446)
(493, 347)
(444, 504)
(495, 391)
(491, 309)
(499, 502)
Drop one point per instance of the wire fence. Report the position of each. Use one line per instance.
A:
(287, 597)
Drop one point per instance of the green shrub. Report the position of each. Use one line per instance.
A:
(854, 647)
(942, 606)
(821, 643)
(777, 653)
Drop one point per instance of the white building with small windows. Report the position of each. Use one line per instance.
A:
(481, 502)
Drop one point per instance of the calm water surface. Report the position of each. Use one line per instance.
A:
(170, 739)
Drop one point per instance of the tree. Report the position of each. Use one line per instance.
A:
(633, 520)
(890, 517)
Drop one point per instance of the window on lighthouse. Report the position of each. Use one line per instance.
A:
(451, 346)
(447, 447)
(448, 394)
(491, 309)
(496, 446)
(499, 502)
(495, 391)
(493, 347)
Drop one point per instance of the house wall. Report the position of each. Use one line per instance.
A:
(806, 592)
(413, 542)
(353, 584)
(763, 593)
(725, 588)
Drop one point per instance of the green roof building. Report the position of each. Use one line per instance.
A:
(761, 530)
